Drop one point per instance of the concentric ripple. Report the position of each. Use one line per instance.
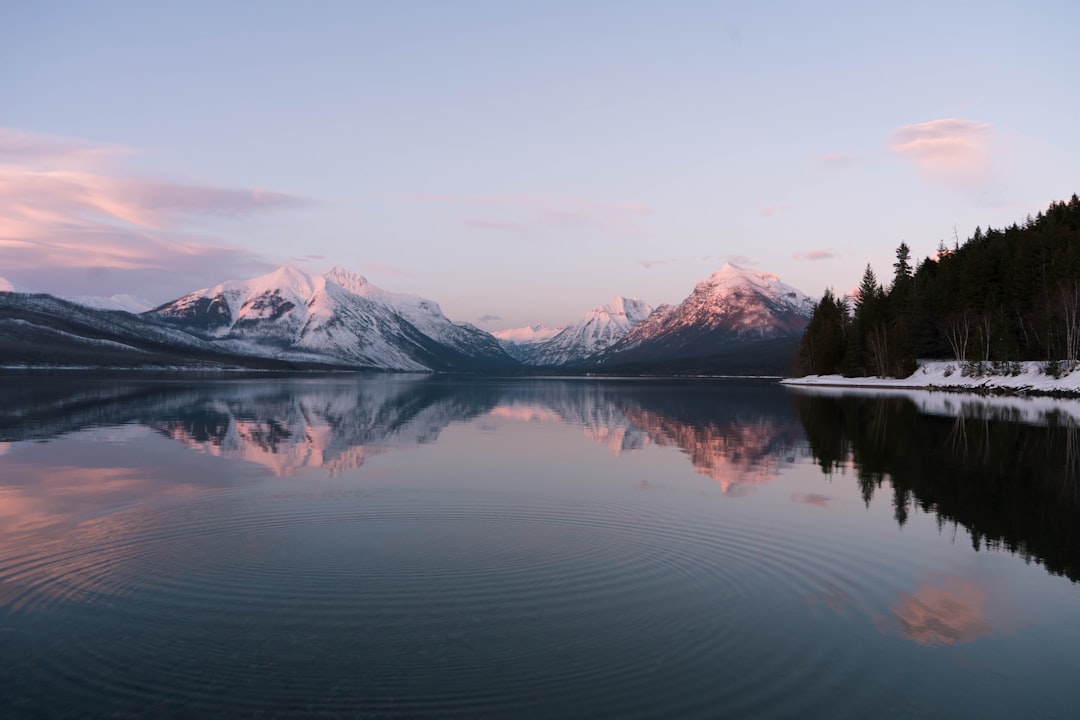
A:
(400, 605)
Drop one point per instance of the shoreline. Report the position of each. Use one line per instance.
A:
(1023, 378)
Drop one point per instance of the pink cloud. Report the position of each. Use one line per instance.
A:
(54, 150)
(815, 255)
(68, 209)
(770, 210)
(949, 151)
(649, 263)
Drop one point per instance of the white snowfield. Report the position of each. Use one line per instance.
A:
(528, 334)
(1030, 378)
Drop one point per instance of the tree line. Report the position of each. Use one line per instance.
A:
(999, 297)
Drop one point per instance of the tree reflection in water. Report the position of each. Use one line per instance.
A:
(1007, 471)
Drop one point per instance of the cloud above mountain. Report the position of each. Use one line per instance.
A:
(73, 208)
(949, 151)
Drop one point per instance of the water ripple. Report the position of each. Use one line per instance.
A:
(424, 606)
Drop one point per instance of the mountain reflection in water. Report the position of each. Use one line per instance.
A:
(408, 546)
(1005, 469)
(288, 425)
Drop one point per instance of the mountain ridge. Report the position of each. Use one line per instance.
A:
(593, 332)
(731, 319)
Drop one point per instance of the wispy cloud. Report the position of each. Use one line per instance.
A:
(647, 264)
(22, 145)
(837, 161)
(485, 319)
(770, 210)
(69, 207)
(950, 151)
(498, 225)
(815, 255)
(526, 213)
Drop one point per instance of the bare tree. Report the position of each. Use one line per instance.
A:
(984, 325)
(877, 342)
(1069, 297)
(957, 331)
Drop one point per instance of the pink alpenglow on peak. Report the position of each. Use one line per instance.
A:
(8, 286)
(528, 334)
(338, 316)
(597, 330)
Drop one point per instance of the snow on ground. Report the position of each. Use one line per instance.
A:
(1030, 410)
(1023, 400)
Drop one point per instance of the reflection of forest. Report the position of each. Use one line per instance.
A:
(1013, 486)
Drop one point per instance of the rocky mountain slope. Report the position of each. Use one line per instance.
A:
(338, 316)
(732, 316)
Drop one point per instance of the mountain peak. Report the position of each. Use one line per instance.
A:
(286, 277)
(632, 310)
(354, 282)
(731, 275)
(8, 286)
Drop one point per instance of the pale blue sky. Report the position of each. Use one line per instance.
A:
(521, 160)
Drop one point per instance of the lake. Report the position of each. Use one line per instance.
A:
(401, 546)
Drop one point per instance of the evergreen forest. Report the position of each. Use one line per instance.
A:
(1000, 297)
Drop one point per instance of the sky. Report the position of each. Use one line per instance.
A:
(521, 162)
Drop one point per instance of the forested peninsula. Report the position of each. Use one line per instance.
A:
(988, 303)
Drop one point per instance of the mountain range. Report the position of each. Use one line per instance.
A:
(737, 321)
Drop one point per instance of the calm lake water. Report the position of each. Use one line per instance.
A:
(418, 547)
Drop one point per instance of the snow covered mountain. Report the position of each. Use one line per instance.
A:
(732, 309)
(338, 316)
(127, 303)
(8, 286)
(736, 321)
(45, 331)
(597, 330)
(528, 335)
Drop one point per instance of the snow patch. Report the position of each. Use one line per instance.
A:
(1029, 377)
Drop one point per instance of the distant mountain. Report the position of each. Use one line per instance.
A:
(45, 331)
(127, 303)
(338, 317)
(737, 320)
(8, 286)
(597, 330)
(528, 335)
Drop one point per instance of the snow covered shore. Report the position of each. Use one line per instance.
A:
(1021, 378)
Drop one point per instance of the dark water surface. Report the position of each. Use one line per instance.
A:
(415, 547)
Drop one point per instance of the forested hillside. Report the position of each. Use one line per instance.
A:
(1001, 296)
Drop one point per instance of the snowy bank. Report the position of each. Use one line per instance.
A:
(1020, 378)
